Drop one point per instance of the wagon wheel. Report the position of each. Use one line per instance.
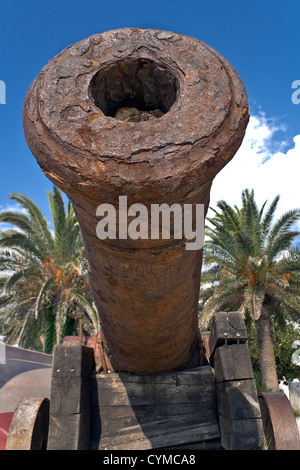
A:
(29, 426)
(280, 426)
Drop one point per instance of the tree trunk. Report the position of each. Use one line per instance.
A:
(266, 351)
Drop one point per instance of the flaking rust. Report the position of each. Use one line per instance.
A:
(146, 291)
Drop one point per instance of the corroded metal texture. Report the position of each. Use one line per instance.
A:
(146, 290)
(29, 425)
(280, 426)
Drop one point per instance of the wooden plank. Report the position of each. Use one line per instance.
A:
(144, 412)
(232, 362)
(238, 399)
(162, 433)
(161, 395)
(70, 413)
(211, 444)
(72, 360)
(226, 327)
(194, 376)
(241, 434)
(113, 418)
(114, 389)
(69, 395)
(70, 432)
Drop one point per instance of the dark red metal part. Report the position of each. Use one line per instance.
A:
(97, 343)
(5, 421)
(280, 426)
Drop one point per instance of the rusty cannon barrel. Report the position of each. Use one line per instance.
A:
(123, 122)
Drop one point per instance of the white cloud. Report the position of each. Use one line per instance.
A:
(11, 207)
(258, 166)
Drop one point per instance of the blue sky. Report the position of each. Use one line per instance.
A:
(261, 39)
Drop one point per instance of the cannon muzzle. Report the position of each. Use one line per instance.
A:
(128, 122)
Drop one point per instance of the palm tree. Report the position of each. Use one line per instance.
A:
(44, 274)
(252, 267)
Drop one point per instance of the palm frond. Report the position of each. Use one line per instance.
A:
(12, 280)
(90, 311)
(283, 224)
(269, 216)
(20, 241)
(254, 297)
(38, 303)
(38, 220)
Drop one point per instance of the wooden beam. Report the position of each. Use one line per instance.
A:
(69, 427)
(156, 411)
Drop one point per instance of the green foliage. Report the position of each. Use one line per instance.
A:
(43, 275)
(249, 260)
(283, 339)
(50, 336)
(251, 266)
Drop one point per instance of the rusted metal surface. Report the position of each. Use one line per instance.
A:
(203, 357)
(97, 343)
(103, 360)
(146, 290)
(204, 336)
(280, 426)
(29, 425)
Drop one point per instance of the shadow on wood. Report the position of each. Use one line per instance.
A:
(170, 410)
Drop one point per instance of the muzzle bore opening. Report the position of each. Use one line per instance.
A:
(143, 86)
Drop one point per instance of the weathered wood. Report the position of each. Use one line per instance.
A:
(122, 417)
(165, 389)
(241, 434)
(211, 444)
(227, 327)
(238, 399)
(198, 376)
(72, 360)
(158, 411)
(232, 363)
(69, 395)
(69, 427)
(29, 426)
(161, 433)
(70, 432)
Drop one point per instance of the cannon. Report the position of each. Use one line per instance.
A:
(146, 289)
(133, 125)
